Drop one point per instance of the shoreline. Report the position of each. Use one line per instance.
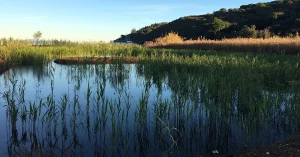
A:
(82, 60)
(290, 147)
(95, 60)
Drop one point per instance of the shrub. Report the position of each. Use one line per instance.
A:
(170, 38)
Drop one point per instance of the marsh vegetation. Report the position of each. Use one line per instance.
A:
(163, 105)
(226, 82)
(168, 102)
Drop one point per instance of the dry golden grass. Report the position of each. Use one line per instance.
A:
(170, 38)
(259, 45)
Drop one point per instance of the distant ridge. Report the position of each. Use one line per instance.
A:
(281, 18)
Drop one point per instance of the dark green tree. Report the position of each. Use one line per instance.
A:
(218, 25)
(248, 32)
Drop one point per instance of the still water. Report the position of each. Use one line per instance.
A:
(142, 110)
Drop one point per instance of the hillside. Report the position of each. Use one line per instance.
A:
(281, 18)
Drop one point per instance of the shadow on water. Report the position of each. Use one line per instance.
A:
(143, 110)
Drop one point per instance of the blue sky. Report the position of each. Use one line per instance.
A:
(95, 20)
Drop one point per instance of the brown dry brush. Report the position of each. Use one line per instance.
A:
(257, 45)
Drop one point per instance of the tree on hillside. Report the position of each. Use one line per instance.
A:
(248, 32)
(219, 24)
(133, 31)
(37, 35)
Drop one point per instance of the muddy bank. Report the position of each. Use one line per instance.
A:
(96, 60)
(3, 66)
(289, 148)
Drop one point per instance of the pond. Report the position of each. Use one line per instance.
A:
(142, 110)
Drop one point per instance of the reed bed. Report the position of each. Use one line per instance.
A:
(276, 45)
(171, 46)
(22, 54)
(285, 66)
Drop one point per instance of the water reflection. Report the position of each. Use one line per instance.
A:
(142, 110)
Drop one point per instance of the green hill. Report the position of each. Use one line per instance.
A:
(281, 18)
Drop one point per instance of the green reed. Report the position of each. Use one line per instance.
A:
(35, 55)
(22, 91)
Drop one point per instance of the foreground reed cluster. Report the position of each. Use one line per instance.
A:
(154, 109)
(276, 45)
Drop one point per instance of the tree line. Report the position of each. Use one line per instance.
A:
(36, 41)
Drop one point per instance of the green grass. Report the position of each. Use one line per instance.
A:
(36, 55)
(285, 67)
